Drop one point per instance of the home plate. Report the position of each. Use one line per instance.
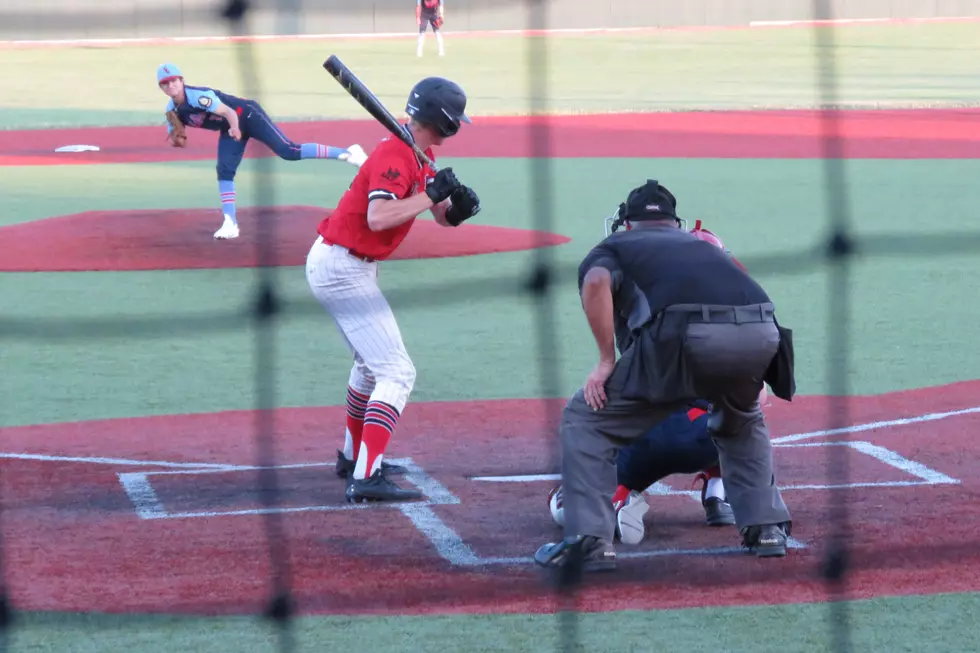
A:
(78, 148)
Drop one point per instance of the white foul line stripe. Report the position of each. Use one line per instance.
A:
(125, 462)
(870, 426)
(911, 467)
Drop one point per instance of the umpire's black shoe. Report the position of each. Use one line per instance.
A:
(766, 541)
(378, 487)
(345, 467)
(596, 554)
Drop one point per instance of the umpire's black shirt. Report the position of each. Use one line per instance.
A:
(653, 267)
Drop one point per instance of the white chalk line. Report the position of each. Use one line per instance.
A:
(891, 458)
(791, 543)
(117, 42)
(141, 493)
(927, 475)
(871, 426)
(122, 462)
(446, 541)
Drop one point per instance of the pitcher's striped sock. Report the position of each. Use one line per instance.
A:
(379, 422)
(356, 407)
(227, 190)
(317, 151)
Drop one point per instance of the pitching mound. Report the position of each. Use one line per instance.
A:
(183, 239)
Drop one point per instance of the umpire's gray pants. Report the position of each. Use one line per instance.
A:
(727, 360)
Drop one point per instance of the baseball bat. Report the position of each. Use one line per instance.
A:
(357, 90)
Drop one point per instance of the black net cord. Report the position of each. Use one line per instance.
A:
(266, 309)
(839, 250)
(541, 286)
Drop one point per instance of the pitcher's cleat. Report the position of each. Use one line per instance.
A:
(227, 231)
(356, 156)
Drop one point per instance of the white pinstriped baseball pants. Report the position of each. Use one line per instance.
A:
(347, 288)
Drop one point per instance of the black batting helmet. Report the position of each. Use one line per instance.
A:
(438, 103)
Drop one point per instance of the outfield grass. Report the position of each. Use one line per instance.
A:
(910, 65)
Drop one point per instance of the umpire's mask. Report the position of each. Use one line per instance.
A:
(651, 201)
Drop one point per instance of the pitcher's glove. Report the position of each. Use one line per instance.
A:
(438, 22)
(178, 137)
(465, 204)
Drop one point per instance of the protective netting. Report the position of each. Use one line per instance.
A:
(835, 254)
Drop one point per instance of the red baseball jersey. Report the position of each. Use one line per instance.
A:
(391, 172)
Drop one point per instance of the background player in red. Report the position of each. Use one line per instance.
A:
(430, 12)
(391, 189)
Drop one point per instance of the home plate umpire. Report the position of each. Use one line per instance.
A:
(689, 324)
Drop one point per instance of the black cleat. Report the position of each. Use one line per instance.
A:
(766, 541)
(378, 487)
(594, 554)
(345, 467)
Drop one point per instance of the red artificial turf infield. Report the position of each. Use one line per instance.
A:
(898, 133)
(74, 542)
(182, 239)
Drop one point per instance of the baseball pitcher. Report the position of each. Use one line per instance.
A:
(237, 120)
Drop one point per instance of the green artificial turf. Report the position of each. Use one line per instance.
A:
(876, 66)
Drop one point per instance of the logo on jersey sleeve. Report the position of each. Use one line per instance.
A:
(204, 101)
(391, 174)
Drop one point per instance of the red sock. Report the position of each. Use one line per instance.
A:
(356, 407)
(379, 422)
(713, 471)
(622, 493)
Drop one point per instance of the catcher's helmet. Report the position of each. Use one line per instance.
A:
(707, 236)
(438, 103)
(651, 201)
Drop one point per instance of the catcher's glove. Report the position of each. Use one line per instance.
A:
(438, 21)
(465, 204)
(178, 137)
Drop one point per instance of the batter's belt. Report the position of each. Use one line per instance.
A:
(352, 252)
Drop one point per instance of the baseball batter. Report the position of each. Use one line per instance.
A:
(430, 12)
(389, 192)
(237, 120)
